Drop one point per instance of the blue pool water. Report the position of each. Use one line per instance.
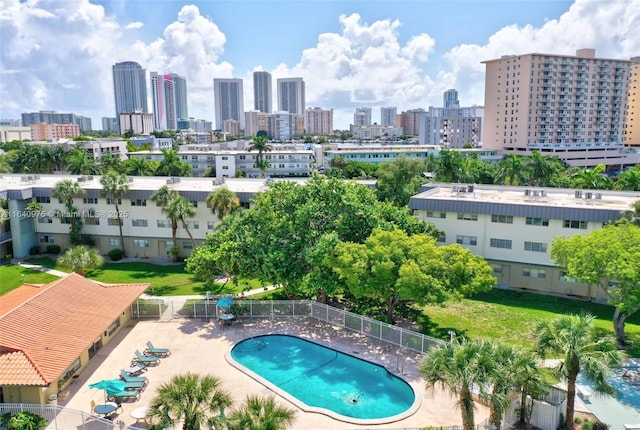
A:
(325, 378)
(627, 394)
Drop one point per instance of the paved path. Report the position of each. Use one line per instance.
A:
(42, 268)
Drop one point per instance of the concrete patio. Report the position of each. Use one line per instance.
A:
(200, 346)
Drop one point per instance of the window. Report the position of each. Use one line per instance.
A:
(71, 370)
(90, 200)
(535, 246)
(537, 221)
(140, 243)
(138, 202)
(568, 223)
(45, 220)
(210, 225)
(47, 239)
(114, 242)
(65, 220)
(114, 326)
(442, 238)
(139, 223)
(530, 272)
(500, 243)
(168, 244)
(497, 269)
(194, 225)
(164, 223)
(43, 199)
(114, 221)
(504, 219)
(110, 201)
(467, 240)
(187, 245)
(436, 214)
(92, 220)
(194, 203)
(467, 216)
(564, 278)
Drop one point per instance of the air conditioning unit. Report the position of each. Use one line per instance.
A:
(527, 192)
(588, 196)
(598, 196)
(578, 194)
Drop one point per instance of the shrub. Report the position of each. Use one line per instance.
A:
(587, 425)
(599, 425)
(34, 250)
(53, 249)
(115, 254)
(27, 421)
(9, 257)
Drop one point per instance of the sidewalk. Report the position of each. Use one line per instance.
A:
(54, 272)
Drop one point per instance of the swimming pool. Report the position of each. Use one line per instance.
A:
(626, 393)
(325, 380)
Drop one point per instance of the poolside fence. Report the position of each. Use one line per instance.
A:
(61, 418)
(414, 341)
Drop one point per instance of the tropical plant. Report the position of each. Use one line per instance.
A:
(111, 163)
(593, 178)
(80, 259)
(114, 186)
(260, 144)
(191, 398)
(261, 414)
(66, 190)
(540, 169)
(179, 208)
(4, 213)
(139, 166)
(511, 171)
(171, 165)
(458, 367)
(629, 180)
(80, 163)
(162, 197)
(582, 349)
(223, 201)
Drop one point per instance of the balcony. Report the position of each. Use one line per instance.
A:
(5, 237)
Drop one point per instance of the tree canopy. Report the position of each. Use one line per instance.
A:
(277, 239)
(609, 258)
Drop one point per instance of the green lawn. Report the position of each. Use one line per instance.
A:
(168, 280)
(12, 276)
(510, 316)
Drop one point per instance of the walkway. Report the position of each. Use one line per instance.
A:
(48, 270)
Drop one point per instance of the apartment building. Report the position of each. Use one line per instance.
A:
(44, 131)
(286, 160)
(632, 121)
(372, 153)
(10, 133)
(146, 230)
(375, 131)
(571, 107)
(514, 227)
(318, 121)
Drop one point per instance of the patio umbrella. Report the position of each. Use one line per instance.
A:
(110, 386)
(224, 302)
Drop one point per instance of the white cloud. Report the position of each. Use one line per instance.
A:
(134, 25)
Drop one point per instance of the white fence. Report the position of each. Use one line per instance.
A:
(290, 308)
(59, 418)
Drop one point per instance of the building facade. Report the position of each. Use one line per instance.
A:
(450, 131)
(229, 101)
(373, 132)
(372, 153)
(129, 88)
(84, 122)
(44, 131)
(10, 133)
(110, 124)
(262, 94)
(388, 115)
(632, 120)
(136, 122)
(48, 117)
(559, 105)
(410, 122)
(450, 99)
(513, 228)
(180, 96)
(318, 121)
(362, 116)
(291, 95)
(255, 121)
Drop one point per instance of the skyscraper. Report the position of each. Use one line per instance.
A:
(165, 92)
(388, 115)
(362, 116)
(228, 101)
(262, 99)
(291, 96)
(318, 121)
(129, 87)
(180, 96)
(451, 99)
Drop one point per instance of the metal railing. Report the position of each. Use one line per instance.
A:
(61, 418)
(399, 336)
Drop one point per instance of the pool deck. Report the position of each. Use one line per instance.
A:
(199, 346)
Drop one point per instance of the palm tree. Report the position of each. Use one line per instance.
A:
(449, 166)
(223, 201)
(593, 179)
(529, 379)
(634, 215)
(458, 367)
(261, 414)
(260, 144)
(190, 398)
(110, 162)
(162, 197)
(114, 186)
(59, 158)
(573, 337)
(171, 165)
(540, 169)
(79, 163)
(179, 208)
(138, 166)
(4, 213)
(34, 209)
(66, 190)
(80, 259)
(629, 180)
(510, 170)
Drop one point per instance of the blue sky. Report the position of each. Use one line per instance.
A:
(57, 54)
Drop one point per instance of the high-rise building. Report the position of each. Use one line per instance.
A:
(362, 116)
(318, 121)
(44, 131)
(557, 102)
(84, 122)
(632, 122)
(291, 95)
(130, 87)
(110, 124)
(255, 121)
(410, 121)
(388, 115)
(229, 101)
(180, 96)
(163, 97)
(262, 99)
(136, 122)
(48, 117)
(451, 99)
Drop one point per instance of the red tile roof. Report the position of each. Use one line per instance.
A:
(42, 336)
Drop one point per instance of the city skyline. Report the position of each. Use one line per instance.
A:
(352, 54)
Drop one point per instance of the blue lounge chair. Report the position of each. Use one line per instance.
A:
(119, 396)
(158, 352)
(142, 359)
(134, 379)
